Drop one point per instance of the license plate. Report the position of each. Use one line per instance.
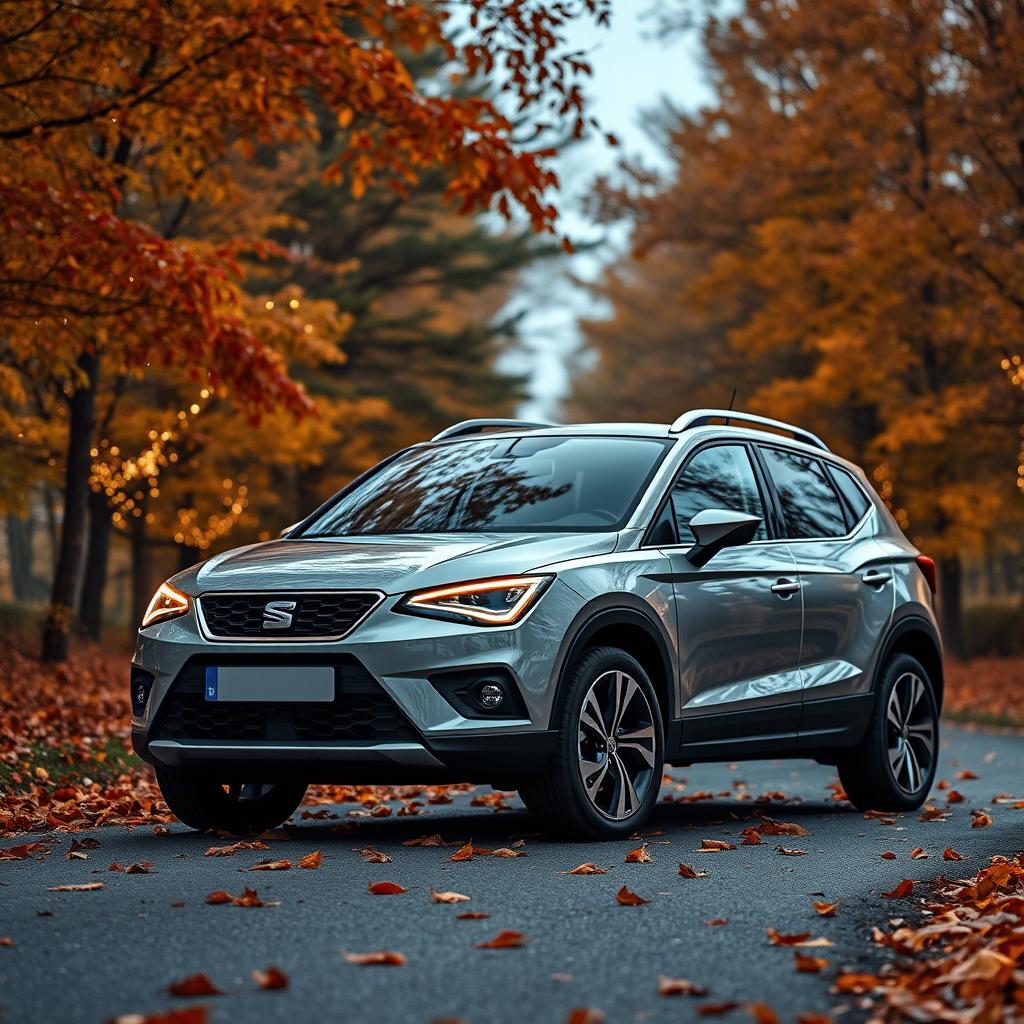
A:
(269, 683)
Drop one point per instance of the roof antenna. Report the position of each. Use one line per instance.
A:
(731, 400)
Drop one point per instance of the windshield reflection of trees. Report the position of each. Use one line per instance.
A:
(442, 490)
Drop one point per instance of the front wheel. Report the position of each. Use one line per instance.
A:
(604, 776)
(242, 808)
(893, 766)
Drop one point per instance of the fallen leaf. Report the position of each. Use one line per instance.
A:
(23, 851)
(716, 1009)
(965, 773)
(855, 984)
(434, 840)
(782, 828)
(247, 899)
(801, 939)
(679, 987)
(186, 1015)
(86, 887)
(980, 819)
(380, 957)
(809, 964)
(230, 851)
(887, 855)
(790, 853)
(639, 856)
(826, 909)
(463, 852)
(270, 979)
(627, 898)
(954, 797)
(586, 869)
(372, 856)
(194, 985)
(507, 939)
(472, 915)
(7, 941)
(448, 897)
(716, 922)
(312, 860)
(715, 846)
(386, 888)
(762, 1013)
(950, 854)
(685, 871)
(585, 1015)
(918, 854)
(269, 865)
(904, 889)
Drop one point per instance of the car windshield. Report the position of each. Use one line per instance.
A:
(524, 484)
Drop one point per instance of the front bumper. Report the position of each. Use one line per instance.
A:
(401, 653)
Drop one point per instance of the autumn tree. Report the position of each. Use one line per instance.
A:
(850, 201)
(108, 107)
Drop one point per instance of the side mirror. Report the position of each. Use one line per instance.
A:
(717, 528)
(287, 531)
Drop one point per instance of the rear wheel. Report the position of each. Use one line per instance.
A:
(243, 808)
(893, 767)
(604, 776)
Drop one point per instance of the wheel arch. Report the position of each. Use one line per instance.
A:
(634, 631)
(917, 637)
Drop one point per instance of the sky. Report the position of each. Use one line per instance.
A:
(634, 70)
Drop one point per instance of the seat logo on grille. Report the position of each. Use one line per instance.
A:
(278, 614)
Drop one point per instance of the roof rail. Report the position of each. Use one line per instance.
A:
(702, 417)
(479, 426)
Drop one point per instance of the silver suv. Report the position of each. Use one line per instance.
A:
(560, 610)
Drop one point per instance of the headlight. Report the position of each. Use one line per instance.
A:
(167, 603)
(485, 602)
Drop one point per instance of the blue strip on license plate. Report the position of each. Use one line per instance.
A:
(301, 683)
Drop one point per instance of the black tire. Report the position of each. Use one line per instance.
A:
(866, 771)
(558, 797)
(198, 801)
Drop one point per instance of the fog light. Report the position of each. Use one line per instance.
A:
(141, 684)
(491, 695)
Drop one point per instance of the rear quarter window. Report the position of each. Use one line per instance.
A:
(853, 496)
(810, 505)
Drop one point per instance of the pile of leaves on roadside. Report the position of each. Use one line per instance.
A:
(989, 691)
(66, 761)
(962, 962)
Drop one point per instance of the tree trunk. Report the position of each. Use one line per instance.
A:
(950, 605)
(19, 552)
(71, 555)
(142, 568)
(94, 583)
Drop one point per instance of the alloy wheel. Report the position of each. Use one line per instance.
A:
(910, 732)
(617, 745)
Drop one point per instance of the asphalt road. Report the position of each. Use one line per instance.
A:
(90, 956)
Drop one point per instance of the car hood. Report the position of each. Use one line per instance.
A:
(393, 563)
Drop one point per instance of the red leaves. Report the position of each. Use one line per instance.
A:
(247, 899)
(312, 861)
(272, 979)
(463, 853)
(824, 909)
(507, 939)
(639, 856)
(980, 819)
(786, 852)
(230, 851)
(685, 871)
(902, 891)
(386, 889)
(801, 939)
(587, 869)
(715, 846)
(950, 854)
(628, 898)
(24, 851)
(85, 887)
(679, 987)
(809, 964)
(269, 865)
(193, 986)
(378, 958)
(372, 856)
(143, 867)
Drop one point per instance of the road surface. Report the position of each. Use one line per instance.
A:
(91, 956)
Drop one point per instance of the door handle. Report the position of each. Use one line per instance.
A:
(785, 587)
(875, 578)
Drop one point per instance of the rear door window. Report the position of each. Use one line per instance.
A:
(718, 477)
(850, 491)
(810, 506)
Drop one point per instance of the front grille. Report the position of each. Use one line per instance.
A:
(361, 710)
(321, 615)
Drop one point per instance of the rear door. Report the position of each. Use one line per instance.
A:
(738, 617)
(846, 585)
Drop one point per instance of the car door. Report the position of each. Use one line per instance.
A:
(738, 617)
(846, 586)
